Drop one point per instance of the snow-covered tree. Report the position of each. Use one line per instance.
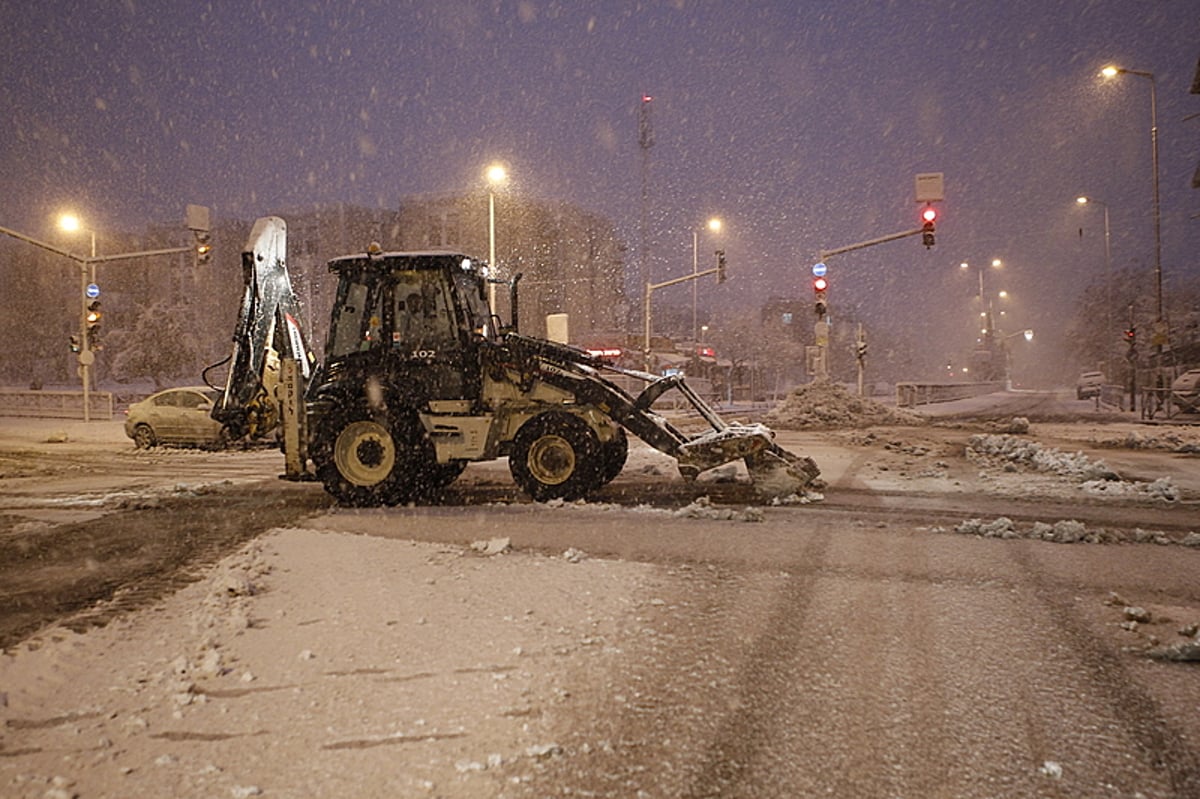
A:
(161, 345)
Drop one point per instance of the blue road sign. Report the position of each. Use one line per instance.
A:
(93, 291)
(819, 270)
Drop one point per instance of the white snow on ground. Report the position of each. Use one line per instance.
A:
(314, 663)
(329, 663)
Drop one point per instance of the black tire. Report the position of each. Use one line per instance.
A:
(367, 459)
(613, 454)
(443, 474)
(555, 456)
(223, 441)
(143, 437)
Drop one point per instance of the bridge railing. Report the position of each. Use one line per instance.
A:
(909, 395)
(55, 404)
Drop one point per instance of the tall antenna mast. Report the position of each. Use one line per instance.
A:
(645, 142)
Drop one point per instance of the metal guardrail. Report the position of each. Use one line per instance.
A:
(1114, 396)
(909, 395)
(1163, 403)
(55, 404)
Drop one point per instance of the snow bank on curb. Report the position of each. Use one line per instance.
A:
(700, 508)
(1183, 442)
(1021, 452)
(1094, 477)
(828, 405)
(1067, 531)
(1162, 489)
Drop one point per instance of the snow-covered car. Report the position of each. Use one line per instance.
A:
(1185, 390)
(1089, 385)
(175, 416)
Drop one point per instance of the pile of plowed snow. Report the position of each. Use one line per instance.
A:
(828, 405)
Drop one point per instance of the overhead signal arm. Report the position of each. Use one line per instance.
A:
(925, 231)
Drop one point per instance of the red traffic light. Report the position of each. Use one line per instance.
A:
(928, 217)
(820, 284)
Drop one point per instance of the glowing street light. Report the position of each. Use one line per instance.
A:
(73, 224)
(1113, 71)
(496, 175)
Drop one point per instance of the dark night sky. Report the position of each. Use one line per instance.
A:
(802, 124)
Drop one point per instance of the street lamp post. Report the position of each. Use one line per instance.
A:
(996, 264)
(496, 176)
(987, 334)
(714, 225)
(1107, 280)
(1028, 336)
(72, 224)
(1110, 72)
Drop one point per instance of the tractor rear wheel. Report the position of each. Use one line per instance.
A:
(374, 459)
(556, 456)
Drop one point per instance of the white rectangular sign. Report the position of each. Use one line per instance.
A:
(930, 187)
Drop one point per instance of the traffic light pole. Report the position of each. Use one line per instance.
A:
(822, 326)
(650, 287)
(871, 242)
(86, 356)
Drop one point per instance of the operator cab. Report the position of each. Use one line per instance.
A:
(417, 318)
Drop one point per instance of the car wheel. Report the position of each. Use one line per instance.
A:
(223, 440)
(555, 456)
(143, 437)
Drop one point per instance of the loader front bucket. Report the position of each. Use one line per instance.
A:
(777, 473)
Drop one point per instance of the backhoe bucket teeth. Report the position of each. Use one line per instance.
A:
(776, 472)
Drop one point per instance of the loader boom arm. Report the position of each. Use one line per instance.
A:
(580, 373)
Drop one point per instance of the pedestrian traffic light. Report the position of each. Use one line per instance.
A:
(1131, 336)
(75, 345)
(820, 286)
(203, 246)
(928, 217)
(720, 266)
